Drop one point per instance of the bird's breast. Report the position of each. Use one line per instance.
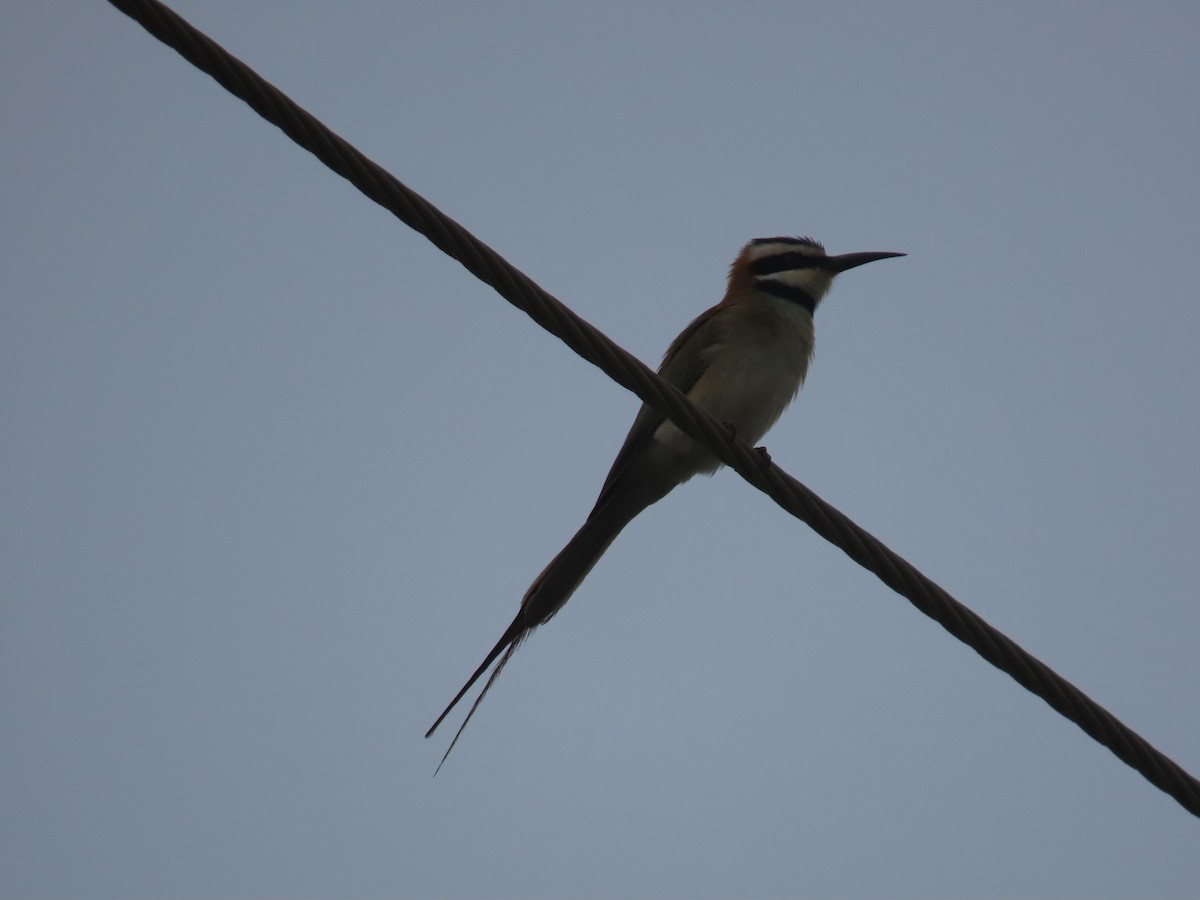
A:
(752, 373)
(749, 387)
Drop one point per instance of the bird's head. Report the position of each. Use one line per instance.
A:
(796, 269)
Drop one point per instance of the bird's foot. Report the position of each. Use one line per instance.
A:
(764, 456)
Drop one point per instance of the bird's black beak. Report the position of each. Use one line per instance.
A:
(851, 260)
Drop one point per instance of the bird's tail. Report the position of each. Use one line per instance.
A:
(547, 595)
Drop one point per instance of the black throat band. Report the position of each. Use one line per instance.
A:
(788, 292)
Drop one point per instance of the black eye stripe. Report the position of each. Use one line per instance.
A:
(782, 262)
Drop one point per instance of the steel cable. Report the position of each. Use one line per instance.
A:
(483, 262)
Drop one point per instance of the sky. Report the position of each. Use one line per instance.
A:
(275, 473)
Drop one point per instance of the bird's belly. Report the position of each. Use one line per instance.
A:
(749, 393)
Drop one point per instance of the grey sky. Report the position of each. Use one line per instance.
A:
(274, 473)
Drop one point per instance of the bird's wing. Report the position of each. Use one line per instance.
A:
(683, 364)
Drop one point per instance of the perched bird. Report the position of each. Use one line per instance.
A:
(742, 362)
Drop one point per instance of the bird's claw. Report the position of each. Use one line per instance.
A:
(764, 457)
(731, 430)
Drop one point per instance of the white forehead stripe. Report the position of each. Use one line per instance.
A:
(764, 249)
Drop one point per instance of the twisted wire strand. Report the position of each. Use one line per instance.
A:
(587, 341)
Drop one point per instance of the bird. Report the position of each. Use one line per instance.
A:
(742, 361)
